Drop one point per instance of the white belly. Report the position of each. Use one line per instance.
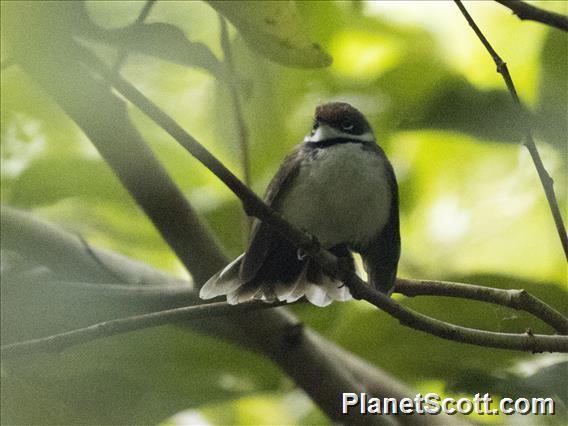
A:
(341, 196)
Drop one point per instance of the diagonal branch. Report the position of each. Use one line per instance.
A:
(529, 12)
(61, 341)
(524, 122)
(254, 206)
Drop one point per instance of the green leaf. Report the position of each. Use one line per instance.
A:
(553, 96)
(275, 30)
(164, 41)
(459, 106)
(64, 19)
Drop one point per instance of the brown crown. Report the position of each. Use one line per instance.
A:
(336, 113)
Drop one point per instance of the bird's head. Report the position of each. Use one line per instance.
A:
(339, 120)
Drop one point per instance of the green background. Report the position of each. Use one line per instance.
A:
(472, 207)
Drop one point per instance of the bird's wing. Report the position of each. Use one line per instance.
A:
(382, 255)
(263, 236)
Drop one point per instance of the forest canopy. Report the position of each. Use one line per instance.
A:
(244, 79)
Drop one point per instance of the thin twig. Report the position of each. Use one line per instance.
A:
(522, 342)
(238, 113)
(532, 13)
(524, 122)
(59, 342)
(516, 299)
(123, 53)
(253, 205)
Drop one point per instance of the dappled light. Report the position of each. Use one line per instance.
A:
(127, 129)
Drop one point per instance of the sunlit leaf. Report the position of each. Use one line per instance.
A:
(276, 30)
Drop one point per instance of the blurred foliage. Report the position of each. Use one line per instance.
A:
(472, 208)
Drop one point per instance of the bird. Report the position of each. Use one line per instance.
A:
(337, 186)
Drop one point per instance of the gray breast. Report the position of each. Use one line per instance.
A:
(341, 195)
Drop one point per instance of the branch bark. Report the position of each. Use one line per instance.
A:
(61, 341)
(524, 123)
(515, 299)
(45, 244)
(529, 12)
(522, 342)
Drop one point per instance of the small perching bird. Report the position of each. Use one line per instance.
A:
(338, 186)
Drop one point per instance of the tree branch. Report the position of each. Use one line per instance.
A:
(522, 342)
(526, 11)
(130, 158)
(61, 341)
(44, 243)
(528, 341)
(515, 299)
(524, 122)
(254, 206)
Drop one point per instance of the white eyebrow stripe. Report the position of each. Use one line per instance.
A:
(325, 132)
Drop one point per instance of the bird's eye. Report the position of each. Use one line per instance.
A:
(316, 125)
(347, 125)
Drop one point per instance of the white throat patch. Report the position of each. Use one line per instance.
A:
(325, 132)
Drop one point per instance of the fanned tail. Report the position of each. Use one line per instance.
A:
(223, 282)
(228, 283)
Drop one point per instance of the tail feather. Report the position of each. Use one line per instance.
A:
(336, 289)
(291, 293)
(223, 282)
(250, 292)
(317, 295)
(228, 283)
